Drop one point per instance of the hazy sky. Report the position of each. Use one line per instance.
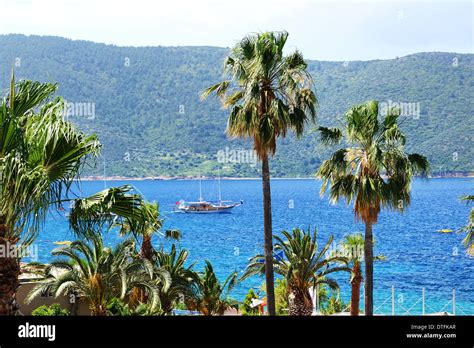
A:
(327, 30)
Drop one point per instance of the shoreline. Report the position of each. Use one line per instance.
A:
(176, 178)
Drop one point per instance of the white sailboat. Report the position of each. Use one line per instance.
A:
(206, 207)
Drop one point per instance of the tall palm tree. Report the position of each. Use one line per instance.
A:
(373, 172)
(98, 274)
(353, 246)
(209, 296)
(299, 260)
(269, 94)
(182, 277)
(40, 155)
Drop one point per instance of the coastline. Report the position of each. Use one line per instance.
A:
(167, 178)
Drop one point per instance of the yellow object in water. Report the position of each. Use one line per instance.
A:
(445, 231)
(64, 242)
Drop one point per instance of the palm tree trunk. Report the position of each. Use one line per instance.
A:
(300, 304)
(98, 310)
(146, 250)
(355, 291)
(9, 273)
(268, 236)
(166, 306)
(369, 270)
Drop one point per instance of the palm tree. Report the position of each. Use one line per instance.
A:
(374, 172)
(182, 277)
(120, 207)
(90, 216)
(353, 246)
(469, 228)
(209, 296)
(99, 274)
(40, 155)
(302, 264)
(153, 225)
(269, 94)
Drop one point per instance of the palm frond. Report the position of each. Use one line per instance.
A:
(271, 93)
(41, 155)
(330, 136)
(375, 171)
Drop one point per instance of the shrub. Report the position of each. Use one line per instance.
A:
(50, 311)
(245, 307)
(117, 307)
(334, 305)
(281, 297)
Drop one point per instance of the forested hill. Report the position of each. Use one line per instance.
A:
(144, 104)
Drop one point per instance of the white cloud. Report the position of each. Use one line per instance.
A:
(334, 29)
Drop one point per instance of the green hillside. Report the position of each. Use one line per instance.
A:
(144, 104)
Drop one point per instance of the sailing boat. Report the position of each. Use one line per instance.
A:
(206, 207)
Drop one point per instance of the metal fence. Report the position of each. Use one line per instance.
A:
(420, 306)
(398, 303)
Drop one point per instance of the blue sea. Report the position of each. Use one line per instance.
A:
(417, 255)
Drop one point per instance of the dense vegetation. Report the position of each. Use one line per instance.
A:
(41, 154)
(151, 121)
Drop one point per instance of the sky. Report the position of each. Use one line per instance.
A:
(324, 30)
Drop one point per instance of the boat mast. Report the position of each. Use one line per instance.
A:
(200, 190)
(219, 184)
(105, 178)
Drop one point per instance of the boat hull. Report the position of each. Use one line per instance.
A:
(214, 210)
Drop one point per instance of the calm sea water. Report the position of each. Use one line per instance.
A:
(417, 256)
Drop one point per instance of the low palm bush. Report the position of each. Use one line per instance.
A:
(209, 296)
(97, 274)
(182, 277)
(303, 265)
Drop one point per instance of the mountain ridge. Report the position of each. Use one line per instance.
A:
(34, 36)
(148, 115)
